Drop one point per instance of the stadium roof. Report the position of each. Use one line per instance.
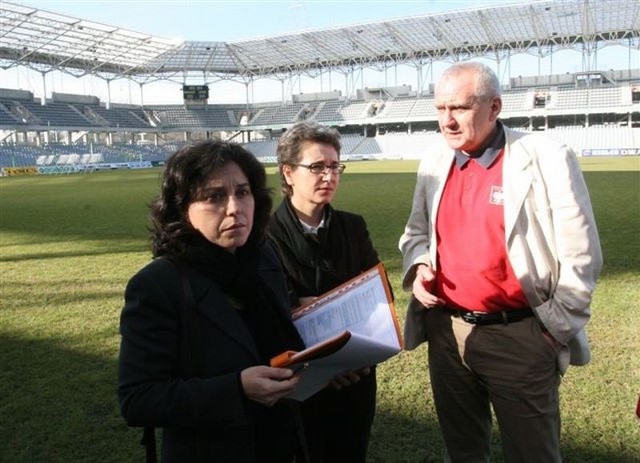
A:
(47, 41)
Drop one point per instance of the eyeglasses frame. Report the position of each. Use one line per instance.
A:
(336, 169)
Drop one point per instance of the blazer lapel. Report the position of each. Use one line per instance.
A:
(436, 185)
(215, 305)
(516, 181)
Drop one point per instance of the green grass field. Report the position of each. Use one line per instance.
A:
(68, 244)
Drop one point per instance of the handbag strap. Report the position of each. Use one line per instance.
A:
(149, 442)
(190, 330)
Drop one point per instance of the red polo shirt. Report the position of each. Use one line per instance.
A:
(474, 272)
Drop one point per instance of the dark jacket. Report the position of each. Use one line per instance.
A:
(204, 419)
(317, 264)
(337, 422)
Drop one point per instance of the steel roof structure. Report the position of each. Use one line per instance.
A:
(47, 41)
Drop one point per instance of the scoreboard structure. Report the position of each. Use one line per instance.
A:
(195, 93)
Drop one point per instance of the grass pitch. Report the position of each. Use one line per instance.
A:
(68, 244)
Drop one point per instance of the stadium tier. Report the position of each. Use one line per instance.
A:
(602, 119)
(621, 101)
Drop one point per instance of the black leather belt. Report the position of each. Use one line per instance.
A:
(484, 318)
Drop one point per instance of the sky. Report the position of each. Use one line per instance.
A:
(231, 20)
(214, 20)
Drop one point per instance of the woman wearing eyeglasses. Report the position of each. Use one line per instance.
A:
(321, 248)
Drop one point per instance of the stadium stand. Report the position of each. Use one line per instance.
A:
(181, 117)
(277, 115)
(398, 108)
(264, 150)
(131, 118)
(612, 107)
(595, 112)
(328, 111)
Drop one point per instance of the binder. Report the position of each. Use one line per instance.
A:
(350, 327)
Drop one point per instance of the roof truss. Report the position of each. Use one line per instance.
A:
(47, 41)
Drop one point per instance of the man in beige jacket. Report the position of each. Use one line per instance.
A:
(501, 253)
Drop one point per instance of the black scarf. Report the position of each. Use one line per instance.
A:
(238, 276)
(313, 253)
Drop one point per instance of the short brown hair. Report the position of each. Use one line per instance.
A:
(292, 141)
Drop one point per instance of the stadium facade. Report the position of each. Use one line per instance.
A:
(597, 111)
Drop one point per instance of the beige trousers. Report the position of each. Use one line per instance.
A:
(508, 367)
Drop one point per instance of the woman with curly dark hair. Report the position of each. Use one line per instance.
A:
(202, 320)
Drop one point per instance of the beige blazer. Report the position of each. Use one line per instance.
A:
(550, 235)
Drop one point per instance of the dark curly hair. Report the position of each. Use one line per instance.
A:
(187, 171)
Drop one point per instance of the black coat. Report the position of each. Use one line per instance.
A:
(154, 388)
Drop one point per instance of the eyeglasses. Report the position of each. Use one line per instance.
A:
(320, 168)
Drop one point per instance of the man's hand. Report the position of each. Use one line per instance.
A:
(422, 287)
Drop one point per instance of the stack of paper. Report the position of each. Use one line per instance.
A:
(351, 327)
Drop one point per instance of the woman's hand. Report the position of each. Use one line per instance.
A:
(306, 300)
(267, 385)
(349, 377)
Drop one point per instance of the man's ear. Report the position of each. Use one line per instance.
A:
(496, 106)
